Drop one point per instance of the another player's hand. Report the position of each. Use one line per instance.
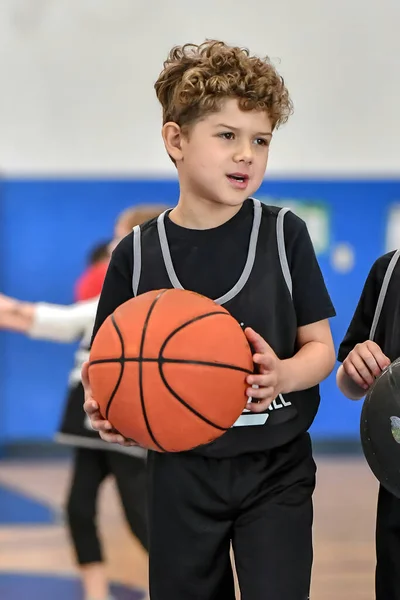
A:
(105, 429)
(268, 378)
(7, 304)
(364, 363)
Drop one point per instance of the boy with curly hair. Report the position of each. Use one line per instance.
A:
(252, 487)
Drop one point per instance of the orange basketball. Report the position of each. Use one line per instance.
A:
(168, 370)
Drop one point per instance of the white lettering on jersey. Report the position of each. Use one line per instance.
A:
(248, 418)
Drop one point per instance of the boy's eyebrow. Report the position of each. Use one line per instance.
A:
(236, 129)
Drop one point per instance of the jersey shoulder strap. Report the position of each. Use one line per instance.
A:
(137, 259)
(280, 237)
(383, 292)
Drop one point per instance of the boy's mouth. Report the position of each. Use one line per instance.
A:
(239, 180)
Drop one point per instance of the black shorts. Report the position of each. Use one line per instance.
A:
(261, 503)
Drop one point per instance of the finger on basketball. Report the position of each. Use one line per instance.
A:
(266, 361)
(99, 424)
(96, 420)
(85, 377)
(365, 373)
(258, 344)
(369, 359)
(262, 379)
(261, 390)
(352, 372)
(91, 407)
(114, 438)
(263, 405)
(381, 359)
(354, 363)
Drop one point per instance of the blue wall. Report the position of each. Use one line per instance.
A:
(47, 228)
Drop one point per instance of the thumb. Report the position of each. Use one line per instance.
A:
(257, 343)
(85, 376)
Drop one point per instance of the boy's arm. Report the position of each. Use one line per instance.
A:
(314, 358)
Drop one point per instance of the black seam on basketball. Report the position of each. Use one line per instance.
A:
(198, 318)
(185, 404)
(164, 360)
(145, 325)
(122, 366)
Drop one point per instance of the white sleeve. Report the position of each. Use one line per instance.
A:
(63, 323)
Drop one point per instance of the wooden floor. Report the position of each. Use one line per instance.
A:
(345, 503)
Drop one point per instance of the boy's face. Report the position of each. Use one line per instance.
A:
(224, 156)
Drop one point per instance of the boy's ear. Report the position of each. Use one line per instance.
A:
(172, 136)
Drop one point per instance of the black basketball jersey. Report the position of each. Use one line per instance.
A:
(260, 296)
(377, 316)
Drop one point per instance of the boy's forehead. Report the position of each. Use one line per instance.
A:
(231, 114)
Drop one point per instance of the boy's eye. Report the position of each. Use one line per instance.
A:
(261, 142)
(227, 135)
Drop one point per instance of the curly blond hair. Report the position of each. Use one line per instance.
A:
(197, 78)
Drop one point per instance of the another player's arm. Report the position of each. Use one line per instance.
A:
(41, 320)
(117, 289)
(314, 359)
(363, 360)
(16, 315)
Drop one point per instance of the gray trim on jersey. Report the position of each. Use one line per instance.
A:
(280, 236)
(382, 293)
(239, 285)
(162, 234)
(137, 259)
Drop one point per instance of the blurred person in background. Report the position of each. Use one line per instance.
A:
(89, 284)
(94, 459)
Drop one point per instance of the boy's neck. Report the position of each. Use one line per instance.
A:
(202, 215)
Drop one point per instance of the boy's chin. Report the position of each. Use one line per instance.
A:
(232, 199)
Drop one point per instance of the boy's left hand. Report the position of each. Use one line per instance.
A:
(269, 377)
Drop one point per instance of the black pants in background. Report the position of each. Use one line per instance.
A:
(90, 469)
(388, 547)
(261, 502)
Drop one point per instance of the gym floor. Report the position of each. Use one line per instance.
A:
(36, 561)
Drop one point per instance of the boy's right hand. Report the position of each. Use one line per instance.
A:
(364, 363)
(91, 408)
